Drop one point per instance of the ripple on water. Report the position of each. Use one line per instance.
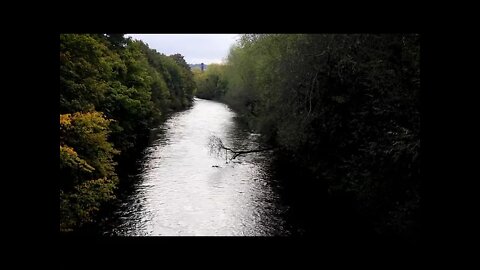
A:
(181, 191)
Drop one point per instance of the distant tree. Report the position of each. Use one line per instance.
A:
(179, 59)
(212, 83)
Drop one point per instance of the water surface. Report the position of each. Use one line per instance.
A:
(184, 190)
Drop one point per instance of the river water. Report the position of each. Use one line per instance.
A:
(183, 190)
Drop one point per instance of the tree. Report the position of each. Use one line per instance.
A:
(87, 172)
(117, 41)
(86, 68)
(212, 83)
(185, 81)
(343, 107)
(112, 92)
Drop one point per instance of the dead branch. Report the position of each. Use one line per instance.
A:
(217, 147)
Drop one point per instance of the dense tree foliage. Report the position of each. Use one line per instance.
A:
(87, 174)
(211, 84)
(112, 90)
(343, 107)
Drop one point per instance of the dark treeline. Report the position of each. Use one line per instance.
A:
(112, 91)
(343, 109)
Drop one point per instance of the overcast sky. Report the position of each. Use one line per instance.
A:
(196, 48)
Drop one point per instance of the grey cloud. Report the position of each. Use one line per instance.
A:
(196, 48)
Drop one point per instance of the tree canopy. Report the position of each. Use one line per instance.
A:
(112, 91)
(345, 107)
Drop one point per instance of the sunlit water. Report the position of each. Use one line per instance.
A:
(180, 191)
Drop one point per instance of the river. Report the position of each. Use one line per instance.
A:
(181, 189)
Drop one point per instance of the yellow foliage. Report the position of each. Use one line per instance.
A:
(68, 150)
(69, 156)
(65, 119)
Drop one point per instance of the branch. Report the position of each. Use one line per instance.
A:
(216, 146)
(237, 153)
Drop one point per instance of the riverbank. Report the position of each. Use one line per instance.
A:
(179, 188)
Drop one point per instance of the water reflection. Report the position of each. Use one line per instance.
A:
(183, 190)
